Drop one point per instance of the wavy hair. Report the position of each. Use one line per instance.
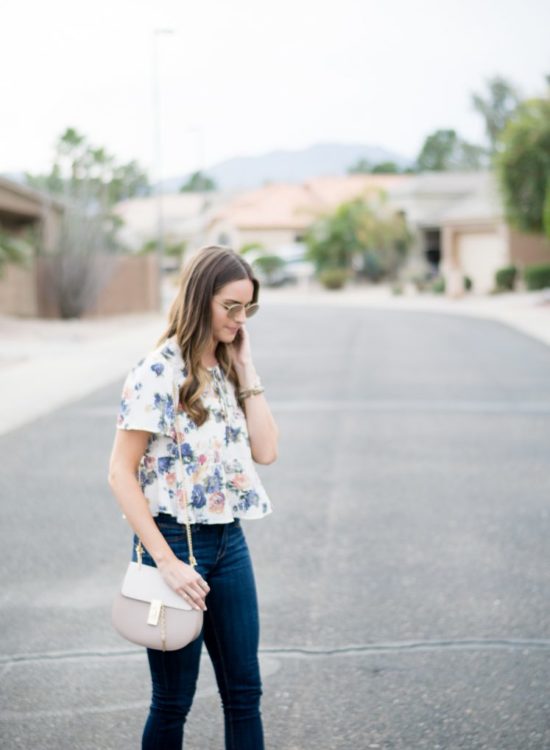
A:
(190, 320)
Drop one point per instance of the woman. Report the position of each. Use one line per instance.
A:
(227, 424)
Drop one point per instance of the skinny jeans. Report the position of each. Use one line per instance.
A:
(230, 633)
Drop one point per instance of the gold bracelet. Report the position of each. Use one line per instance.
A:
(254, 389)
(251, 392)
(257, 384)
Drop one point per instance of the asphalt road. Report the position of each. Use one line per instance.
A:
(403, 577)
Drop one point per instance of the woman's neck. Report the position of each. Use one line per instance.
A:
(208, 358)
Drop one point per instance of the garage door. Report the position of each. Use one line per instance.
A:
(481, 254)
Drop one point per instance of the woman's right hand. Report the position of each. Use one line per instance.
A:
(185, 580)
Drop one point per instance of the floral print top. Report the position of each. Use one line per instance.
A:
(218, 477)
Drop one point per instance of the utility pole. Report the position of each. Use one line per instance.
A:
(157, 116)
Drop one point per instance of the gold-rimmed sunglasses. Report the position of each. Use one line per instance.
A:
(250, 309)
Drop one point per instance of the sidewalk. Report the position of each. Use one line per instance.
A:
(45, 364)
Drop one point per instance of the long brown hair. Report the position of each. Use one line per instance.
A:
(190, 319)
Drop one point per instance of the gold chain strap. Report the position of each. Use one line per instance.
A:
(139, 546)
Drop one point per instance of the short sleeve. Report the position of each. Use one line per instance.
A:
(147, 402)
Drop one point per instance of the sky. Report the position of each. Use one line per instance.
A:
(244, 77)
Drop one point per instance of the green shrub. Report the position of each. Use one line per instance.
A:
(468, 283)
(333, 278)
(269, 267)
(268, 263)
(505, 278)
(537, 277)
(438, 286)
(249, 247)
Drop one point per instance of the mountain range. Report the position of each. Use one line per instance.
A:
(248, 172)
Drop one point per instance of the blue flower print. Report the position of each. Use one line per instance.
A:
(231, 434)
(167, 352)
(157, 368)
(218, 414)
(187, 453)
(163, 404)
(247, 498)
(147, 477)
(187, 456)
(165, 464)
(214, 482)
(123, 409)
(198, 496)
(251, 497)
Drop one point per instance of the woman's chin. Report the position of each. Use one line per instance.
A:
(226, 335)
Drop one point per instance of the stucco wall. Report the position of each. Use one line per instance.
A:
(132, 287)
(271, 239)
(18, 291)
(528, 249)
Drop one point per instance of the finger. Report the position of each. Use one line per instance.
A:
(200, 584)
(199, 603)
(192, 600)
(196, 592)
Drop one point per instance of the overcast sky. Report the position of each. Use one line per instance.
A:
(242, 77)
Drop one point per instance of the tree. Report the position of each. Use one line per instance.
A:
(89, 182)
(496, 107)
(363, 235)
(443, 150)
(198, 183)
(385, 167)
(251, 248)
(16, 249)
(362, 166)
(522, 163)
(79, 268)
(89, 174)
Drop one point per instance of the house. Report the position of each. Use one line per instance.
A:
(459, 229)
(278, 214)
(477, 241)
(181, 217)
(26, 212)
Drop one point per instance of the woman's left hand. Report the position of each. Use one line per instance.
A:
(240, 350)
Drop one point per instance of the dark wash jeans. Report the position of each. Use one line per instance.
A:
(231, 635)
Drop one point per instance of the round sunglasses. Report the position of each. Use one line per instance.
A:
(250, 309)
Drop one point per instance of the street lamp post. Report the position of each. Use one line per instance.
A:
(158, 157)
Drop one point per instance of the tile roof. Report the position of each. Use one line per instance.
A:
(294, 206)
